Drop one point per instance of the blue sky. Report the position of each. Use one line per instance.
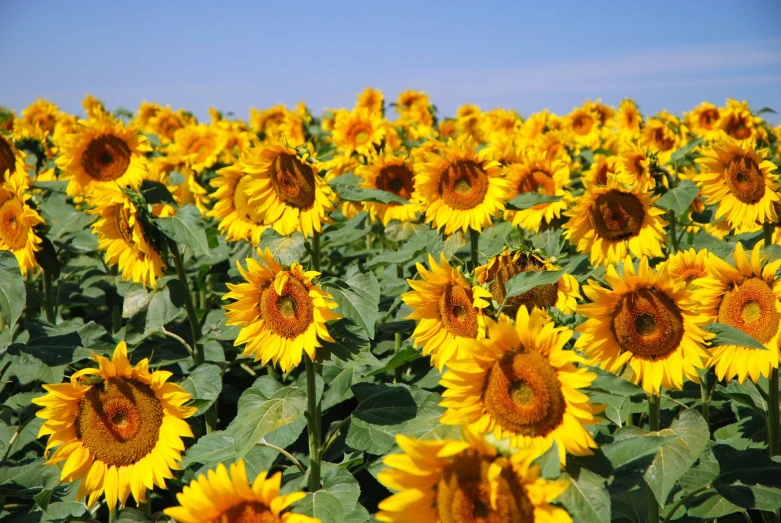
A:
(522, 55)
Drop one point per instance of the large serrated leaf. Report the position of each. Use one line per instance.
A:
(358, 297)
(186, 227)
(526, 281)
(679, 199)
(729, 335)
(12, 292)
(383, 404)
(205, 385)
(587, 499)
(530, 199)
(635, 445)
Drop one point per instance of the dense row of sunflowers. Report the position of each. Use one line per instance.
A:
(518, 339)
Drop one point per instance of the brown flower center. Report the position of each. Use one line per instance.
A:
(13, 228)
(248, 512)
(119, 421)
(106, 158)
(663, 139)
(744, 179)
(523, 394)
(751, 307)
(290, 313)
(458, 314)
(538, 181)
(616, 215)
(647, 323)
(464, 493)
(463, 185)
(582, 124)
(738, 127)
(708, 117)
(293, 181)
(7, 160)
(397, 179)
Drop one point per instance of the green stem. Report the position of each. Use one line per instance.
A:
(397, 336)
(653, 421)
(49, 296)
(313, 422)
(195, 326)
(673, 234)
(684, 500)
(474, 236)
(773, 413)
(285, 453)
(768, 230)
(705, 395)
(116, 310)
(316, 251)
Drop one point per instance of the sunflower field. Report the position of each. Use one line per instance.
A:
(381, 314)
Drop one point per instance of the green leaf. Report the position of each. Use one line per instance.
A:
(587, 499)
(679, 199)
(632, 443)
(674, 459)
(211, 449)
(358, 297)
(186, 227)
(156, 192)
(383, 404)
(285, 249)
(681, 153)
(526, 281)
(13, 295)
(61, 510)
(348, 190)
(404, 356)
(713, 506)
(205, 384)
(349, 339)
(746, 393)
(530, 199)
(322, 505)
(165, 305)
(729, 335)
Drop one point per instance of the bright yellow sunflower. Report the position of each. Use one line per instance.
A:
(537, 173)
(522, 385)
(451, 481)
(93, 107)
(358, 131)
(11, 158)
(686, 266)
(288, 193)
(196, 146)
(611, 221)
(41, 114)
(628, 119)
(372, 100)
(583, 126)
(120, 431)
(219, 496)
(747, 297)
(103, 153)
(739, 178)
(462, 189)
(165, 123)
(124, 238)
(601, 169)
(392, 173)
(448, 310)
(635, 165)
(239, 220)
(704, 120)
(267, 122)
(660, 138)
(18, 221)
(647, 320)
(282, 313)
(145, 113)
(738, 121)
(563, 294)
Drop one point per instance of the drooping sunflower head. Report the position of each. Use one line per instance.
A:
(239, 220)
(747, 297)
(121, 433)
(126, 240)
(372, 100)
(18, 221)
(520, 384)
(462, 189)
(448, 310)
(103, 153)
(686, 266)
(629, 120)
(539, 173)
(287, 190)
(611, 221)
(739, 178)
(388, 172)
(282, 312)
(358, 131)
(41, 114)
(451, 481)
(196, 146)
(501, 268)
(645, 319)
(229, 497)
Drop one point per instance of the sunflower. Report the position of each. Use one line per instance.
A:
(18, 221)
(127, 242)
(103, 153)
(469, 122)
(371, 100)
(288, 193)
(660, 138)
(358, 131)
(282, 313)
(646, 320)
(267, 122)
(747, 297)
(563, 294)
(410, 98)
(93, 107)
(222, 497)
(537, 173)
(522, 385)
(239, 220)
(738, 121)
(449, 312)
(601, 169)
(41, 114)
(634, 165)
(704, 120)
(120, 434)
(583, 126)
(451, 481)
(628, 119)
(145, 113)
(165, 123)
(196, 146)
(394, 174)
(11, 159)
(608, 222)
(738, 177)
(686, 266)
(462, 189)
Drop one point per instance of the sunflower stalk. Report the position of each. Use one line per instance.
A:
(313, 424)
(474, 237)
(192, 317)
(48, 296)
(653, 422)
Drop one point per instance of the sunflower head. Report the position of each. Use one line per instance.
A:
(41, 114)
(388, 172)
(737, 121)
(11, 159)
(704, 120)
(372, 100)
(120, 433)
(18, 221)
(239, 220)
(687, 266)
(196, 146)
(164, 123)
(358, 131)
(628, 119)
